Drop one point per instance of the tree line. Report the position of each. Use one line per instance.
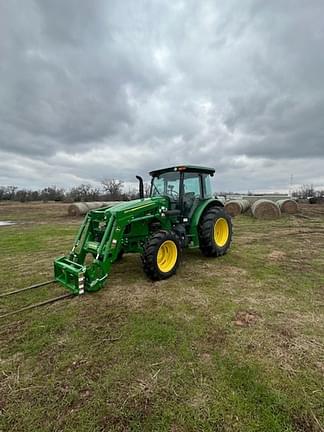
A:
(110, 190)
(307, 191)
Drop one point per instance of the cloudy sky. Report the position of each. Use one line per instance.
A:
(93, 89)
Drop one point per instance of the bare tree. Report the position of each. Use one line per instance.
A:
(10, 192)
(113, 188)
(84, 192)
(147, 189)
(21, 195)
(304, 192)
(52, 193)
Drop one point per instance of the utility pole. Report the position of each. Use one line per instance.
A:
(290, 185)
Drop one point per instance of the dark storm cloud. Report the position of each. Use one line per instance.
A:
(284, 112)
(98, 89)
(66, 78)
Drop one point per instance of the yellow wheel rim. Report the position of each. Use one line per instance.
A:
(167, 256)
(221, 232)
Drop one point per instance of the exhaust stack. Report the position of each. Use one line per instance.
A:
(141, 186)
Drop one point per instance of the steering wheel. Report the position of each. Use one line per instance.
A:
(172, 192)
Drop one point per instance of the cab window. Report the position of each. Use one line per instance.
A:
(191, 184)
(207, 186)
(166, 184)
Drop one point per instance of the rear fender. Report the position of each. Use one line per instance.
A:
(197, 216)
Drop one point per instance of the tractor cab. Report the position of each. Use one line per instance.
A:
(185, 186)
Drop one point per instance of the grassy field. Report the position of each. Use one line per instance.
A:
(228, 344)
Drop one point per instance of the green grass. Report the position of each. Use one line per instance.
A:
(232, 344)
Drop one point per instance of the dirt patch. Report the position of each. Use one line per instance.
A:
(312, 210)
(141, 397)
(306, 423)
(213, 269)
(287, 332)
(246, 318)
(206, 357)
(232, 270)
(118, 422)
(217, 338)
(277, 255)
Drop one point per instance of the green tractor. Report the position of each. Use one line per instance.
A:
(181, 212)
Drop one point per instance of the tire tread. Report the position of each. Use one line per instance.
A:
(150, 252)
(207, 244)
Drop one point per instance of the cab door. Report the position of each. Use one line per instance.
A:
(192, 193)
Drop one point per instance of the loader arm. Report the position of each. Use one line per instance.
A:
(103, 235)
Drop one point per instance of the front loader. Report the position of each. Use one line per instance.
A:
(180, 213)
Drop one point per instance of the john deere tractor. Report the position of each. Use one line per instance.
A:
(180, 213)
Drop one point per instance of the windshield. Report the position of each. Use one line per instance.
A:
(166, 184)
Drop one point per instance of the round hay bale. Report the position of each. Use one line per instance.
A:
(245, 205)
(233, 207)
(94, 205)
(109, 203)
(288, 206)
(77, 209)
(98, 204)
(265, 209)
(236, 207)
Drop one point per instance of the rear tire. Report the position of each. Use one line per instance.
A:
(215, 232)
(161, 255)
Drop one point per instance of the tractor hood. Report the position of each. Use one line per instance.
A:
(138, 204)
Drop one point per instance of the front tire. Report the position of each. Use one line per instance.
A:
(161, 255)
(215, 232)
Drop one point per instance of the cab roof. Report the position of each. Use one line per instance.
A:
(189, 168)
